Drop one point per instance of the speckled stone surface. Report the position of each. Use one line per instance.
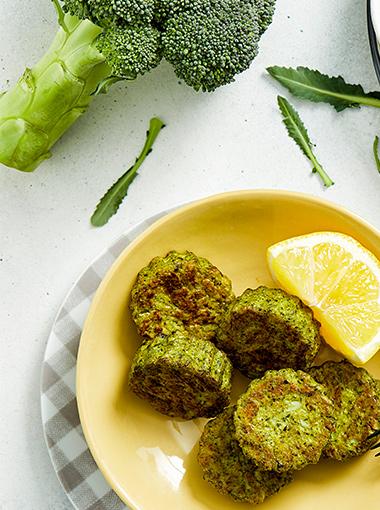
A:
(232, 139)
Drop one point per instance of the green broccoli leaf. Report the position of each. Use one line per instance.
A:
(320, 88)
(60, 14)
(376, 152)
(105, 85)
(110, 202)
(297, 130)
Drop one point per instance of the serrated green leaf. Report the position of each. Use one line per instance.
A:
(376, 152)
(110, 202)
(317, 87)
(294, 125)
(297, 130)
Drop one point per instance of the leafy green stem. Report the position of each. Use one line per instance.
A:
(110, 202)
(296, 130)
(327, 181)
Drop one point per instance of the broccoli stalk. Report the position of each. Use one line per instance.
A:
(49, 98)
(99, 42)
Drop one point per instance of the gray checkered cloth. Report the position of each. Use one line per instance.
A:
(75, 467)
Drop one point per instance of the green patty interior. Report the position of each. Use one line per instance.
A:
(283, 420)
(226, 467)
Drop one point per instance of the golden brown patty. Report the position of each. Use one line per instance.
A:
(180, 291)
(269, 329)
(227, 469)
(182, 377)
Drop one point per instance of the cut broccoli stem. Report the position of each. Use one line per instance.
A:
(49, 98)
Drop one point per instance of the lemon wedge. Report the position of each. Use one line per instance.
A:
(340, 280)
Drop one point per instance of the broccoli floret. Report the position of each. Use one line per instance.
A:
(109, 12)
(75, 8)
(265, 11)
(208, 48)
(130, 51)
(208, 42)
(166, 9)
(129, 43)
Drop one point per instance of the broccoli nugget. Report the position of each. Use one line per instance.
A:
(179, 291)
(269, 329)
(227, 469)
(283, 421)
(182, 377)
(356, 398)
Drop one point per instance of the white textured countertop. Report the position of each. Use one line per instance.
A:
(231, 139)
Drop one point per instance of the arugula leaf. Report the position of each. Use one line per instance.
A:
(110, 202)
(320, 88)
(376, 152)
(298, 132)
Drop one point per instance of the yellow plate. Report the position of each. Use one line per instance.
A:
(149, 459)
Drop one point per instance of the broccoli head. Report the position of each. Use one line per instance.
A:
(208, 42)
(209, 46)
